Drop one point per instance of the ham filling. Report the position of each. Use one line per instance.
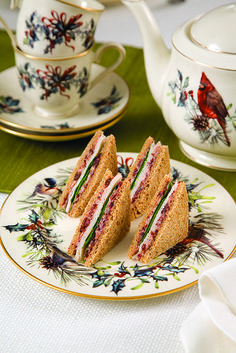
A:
(146, 170)
(91, 155)
(90, 219)
(144, 244)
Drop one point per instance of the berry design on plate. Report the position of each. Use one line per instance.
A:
(42, 242)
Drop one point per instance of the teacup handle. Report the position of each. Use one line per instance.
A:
(112, 67)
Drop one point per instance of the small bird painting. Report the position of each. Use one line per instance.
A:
(211, 104)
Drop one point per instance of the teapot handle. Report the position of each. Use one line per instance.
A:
(15, 3)
(112, 67)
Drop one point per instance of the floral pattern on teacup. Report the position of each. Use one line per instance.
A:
(58, 29)
(53, 79)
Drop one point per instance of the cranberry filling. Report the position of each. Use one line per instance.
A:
(89, 216)
(149, 167)
(104, 220)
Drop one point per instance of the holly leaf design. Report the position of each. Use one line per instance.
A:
(118, 285)
(174, 269)
(123, 269)
(99, 282)
(101, 277)
(34, 217)
(159, 278)
(142, 272)
(18, 227)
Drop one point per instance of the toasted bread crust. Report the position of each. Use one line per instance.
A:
(108, 160)
(78, 164)
(165, 180)
(116, 228)
(160, 168)
(73, 244)
(173, 229)
(141, 154)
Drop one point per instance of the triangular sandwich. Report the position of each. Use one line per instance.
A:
(105, 222)
(165, 223)
(98, 156)
(152, 163)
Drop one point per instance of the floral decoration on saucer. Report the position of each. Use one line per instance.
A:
(101, 105)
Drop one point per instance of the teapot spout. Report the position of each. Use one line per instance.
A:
(156, 54)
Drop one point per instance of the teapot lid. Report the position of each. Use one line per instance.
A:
(215, 31)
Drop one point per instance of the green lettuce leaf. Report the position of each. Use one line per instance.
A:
(82, 181)
(156, 211)
(140, 169)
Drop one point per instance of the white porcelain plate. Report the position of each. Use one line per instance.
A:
(35, 235)
(102, 104)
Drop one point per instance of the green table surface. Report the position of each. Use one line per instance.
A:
(20, 158)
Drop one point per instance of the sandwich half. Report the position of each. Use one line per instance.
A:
(151, 165)
(98, 156)
(165, 223)
(105, 222)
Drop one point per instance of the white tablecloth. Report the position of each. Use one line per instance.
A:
(35, 318)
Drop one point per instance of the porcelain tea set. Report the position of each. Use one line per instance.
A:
(194, 83)
(54, 53)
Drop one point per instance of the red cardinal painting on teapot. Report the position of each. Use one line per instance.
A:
(211, 104)
(207, 113)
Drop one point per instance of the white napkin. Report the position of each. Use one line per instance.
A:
(211, 327)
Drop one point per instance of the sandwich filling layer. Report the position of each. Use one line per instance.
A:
(84, 173)
(143, 170)
(96, 217)
(155, 219)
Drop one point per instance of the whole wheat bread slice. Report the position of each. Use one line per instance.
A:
(108, 160)
(173, 229)
(116, 227)
(160, 168)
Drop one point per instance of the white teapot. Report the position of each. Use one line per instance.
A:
(195, 82)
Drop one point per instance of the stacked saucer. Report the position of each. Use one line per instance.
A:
(58, 90)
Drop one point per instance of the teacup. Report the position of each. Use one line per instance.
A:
(56, 86)
(57, 28)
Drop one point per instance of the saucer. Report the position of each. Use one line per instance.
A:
(103, 105)
(41, 136)
(207, 159)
